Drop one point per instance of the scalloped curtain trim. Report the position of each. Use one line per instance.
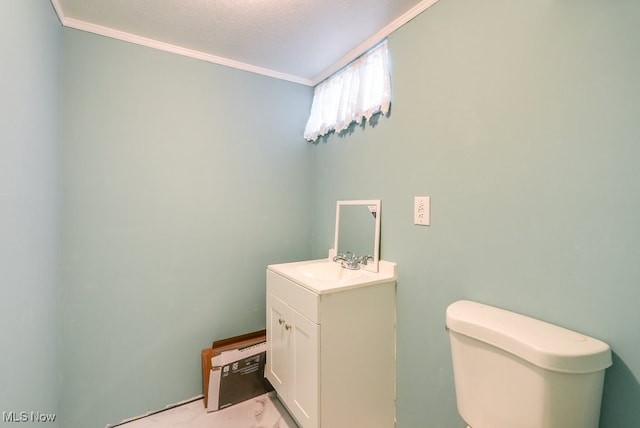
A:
(357, 92)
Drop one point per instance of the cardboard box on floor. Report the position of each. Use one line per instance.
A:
(233, 370)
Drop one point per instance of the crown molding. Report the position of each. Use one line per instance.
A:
(374, 40)
(191, 53)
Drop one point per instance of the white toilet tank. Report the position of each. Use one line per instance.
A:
(512, 371)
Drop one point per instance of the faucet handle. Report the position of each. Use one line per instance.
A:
(363, 260)
(340, 257)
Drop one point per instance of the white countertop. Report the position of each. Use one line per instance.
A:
(326, 276)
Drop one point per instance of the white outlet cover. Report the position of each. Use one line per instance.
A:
(422, 210)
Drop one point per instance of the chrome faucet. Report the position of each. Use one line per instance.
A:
(364, 259)
(351, 261)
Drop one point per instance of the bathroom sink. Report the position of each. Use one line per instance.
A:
(325, 275)
(327, 270)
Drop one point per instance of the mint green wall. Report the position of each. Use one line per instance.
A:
(181, 180)
(520, 120)
(29, 47)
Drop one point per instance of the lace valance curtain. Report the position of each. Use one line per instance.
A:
(358, 91)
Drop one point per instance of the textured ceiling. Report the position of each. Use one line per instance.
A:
(297, 40)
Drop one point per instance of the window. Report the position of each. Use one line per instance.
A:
(360, 90)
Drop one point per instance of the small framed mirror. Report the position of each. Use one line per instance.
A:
(358, 230)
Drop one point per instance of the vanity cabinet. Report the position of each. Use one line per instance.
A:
(331, 351)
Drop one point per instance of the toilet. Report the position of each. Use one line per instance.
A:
(512, 371)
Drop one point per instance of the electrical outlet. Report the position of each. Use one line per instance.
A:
(422, 210)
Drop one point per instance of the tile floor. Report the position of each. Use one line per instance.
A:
(264, 411)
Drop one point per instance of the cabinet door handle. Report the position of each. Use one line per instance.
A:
(287, 326)
(280, 321)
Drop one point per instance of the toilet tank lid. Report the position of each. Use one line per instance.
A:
(540, 343)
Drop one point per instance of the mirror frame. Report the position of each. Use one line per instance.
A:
(372, 204)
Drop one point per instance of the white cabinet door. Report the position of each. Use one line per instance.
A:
(292, 360)
(304, 386)
(278, 342)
